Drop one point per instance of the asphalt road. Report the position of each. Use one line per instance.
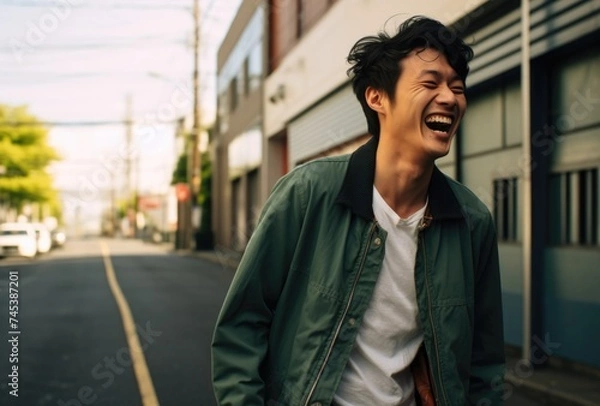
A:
(73, 348)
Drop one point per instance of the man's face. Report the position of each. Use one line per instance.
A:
(428, 105)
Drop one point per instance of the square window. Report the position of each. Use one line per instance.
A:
(506, 204)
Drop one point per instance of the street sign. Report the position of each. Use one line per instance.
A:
(146, 203)
(182, 191)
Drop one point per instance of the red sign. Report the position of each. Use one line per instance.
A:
(182, 191)
(148, 202)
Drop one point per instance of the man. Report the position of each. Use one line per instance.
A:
(372, 279)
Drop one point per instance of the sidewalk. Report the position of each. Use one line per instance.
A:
(229, 259)
(554, 384)
(558, 383)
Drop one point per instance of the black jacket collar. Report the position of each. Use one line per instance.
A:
(357, 189)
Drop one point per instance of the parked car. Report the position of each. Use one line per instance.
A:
(59, 237)
(18, 239)
(43, 237)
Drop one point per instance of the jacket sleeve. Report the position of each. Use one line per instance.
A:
(240, 340)
(488, 361)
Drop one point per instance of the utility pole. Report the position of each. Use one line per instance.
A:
(196, 124)
(136, 194)
(128, 163)
(186, 208)
(194, 178)
(113, 205)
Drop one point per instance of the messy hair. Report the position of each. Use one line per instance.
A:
(376, 59)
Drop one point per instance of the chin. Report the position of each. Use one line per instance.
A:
(436, 156)
(439, 151)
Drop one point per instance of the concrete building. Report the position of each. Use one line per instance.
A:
(236, 149)
(309, 111)
(564, 135)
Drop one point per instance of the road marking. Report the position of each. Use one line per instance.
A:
(140, 367)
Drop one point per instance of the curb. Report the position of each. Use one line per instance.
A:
(220, 259)
(226, 260)
(547, 393)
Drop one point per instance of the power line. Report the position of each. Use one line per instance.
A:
(40, 75)
(76, 123)
(44, 78)
(133, 6)
(88, 47)
(137, 42)
(206, 18)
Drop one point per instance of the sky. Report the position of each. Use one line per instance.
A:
(75, 63)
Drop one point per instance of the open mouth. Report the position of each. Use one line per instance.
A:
(439, 123)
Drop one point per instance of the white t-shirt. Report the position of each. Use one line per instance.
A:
(378, 373)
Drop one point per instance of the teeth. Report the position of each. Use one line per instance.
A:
(438, 119)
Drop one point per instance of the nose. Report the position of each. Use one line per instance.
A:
(446, 96)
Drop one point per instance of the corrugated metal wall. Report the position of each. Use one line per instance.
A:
(339, 118)
(336, 120)
(553, 24)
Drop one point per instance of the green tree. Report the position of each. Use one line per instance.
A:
(24, 156)
(205, 236)
(180, 171)
(204, 198)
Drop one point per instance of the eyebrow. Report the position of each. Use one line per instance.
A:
(438, 75)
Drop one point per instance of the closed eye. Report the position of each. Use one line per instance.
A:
(430, 84)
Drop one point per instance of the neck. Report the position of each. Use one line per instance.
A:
(401, 180)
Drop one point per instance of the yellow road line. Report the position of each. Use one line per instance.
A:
(140, 367)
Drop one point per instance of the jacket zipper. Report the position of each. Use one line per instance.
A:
(339, 326)
(435, 339)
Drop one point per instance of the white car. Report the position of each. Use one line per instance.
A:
(59, 237)
(18, 239)
(44, 239)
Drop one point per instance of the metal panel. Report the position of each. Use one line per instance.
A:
(334, 121)
(576, 86)
(553, 24)
(513, 115)
(482, 126)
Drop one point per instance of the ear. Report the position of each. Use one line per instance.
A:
(375, 99)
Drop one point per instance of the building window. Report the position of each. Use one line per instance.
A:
(223, 116)
(506, 204)
(246, 75)
(241, 85)
(574, 208)
(252, 201)
(233, 94)
(299, 17)
(255, 66)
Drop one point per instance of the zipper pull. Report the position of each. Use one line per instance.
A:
(425, 222)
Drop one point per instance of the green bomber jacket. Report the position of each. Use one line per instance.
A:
(290, 318)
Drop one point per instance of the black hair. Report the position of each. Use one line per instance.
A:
(376, 59)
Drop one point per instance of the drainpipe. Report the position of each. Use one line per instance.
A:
(526, 201)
